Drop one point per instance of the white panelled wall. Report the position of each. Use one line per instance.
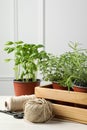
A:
(51, 22)
(19, 20)
(65, 21)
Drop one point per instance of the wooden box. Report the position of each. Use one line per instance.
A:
(66, 104)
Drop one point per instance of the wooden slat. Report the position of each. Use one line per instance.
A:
(62, 95)
(71, 113)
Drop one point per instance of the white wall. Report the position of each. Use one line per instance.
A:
(51, 22)
(19, 20)
(6, 33)
(30, 20)
(6, 86)
(65, 20)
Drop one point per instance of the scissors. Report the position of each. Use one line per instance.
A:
(17, 115)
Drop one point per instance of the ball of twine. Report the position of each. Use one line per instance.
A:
(38, 110)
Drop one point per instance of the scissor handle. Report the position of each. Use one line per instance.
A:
(18, 115)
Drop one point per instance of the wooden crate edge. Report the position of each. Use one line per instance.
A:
(73, 97)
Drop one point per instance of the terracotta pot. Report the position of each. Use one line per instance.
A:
(58, 86)
(25, 88)
(80, 89)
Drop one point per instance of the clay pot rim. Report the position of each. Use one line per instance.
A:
(78, 86)
(59, 84)
(23, 81)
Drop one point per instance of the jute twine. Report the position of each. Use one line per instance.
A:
(38, 110)
(16, 103)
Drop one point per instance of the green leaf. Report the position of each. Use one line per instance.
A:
(40, 46)
(19, 42)
(7, 60)
(9, 43)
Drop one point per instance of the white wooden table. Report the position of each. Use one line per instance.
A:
(7, 122)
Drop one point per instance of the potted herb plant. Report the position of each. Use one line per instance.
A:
(26, 65)
(75, 68)
(59, 69)
(80, 74)
(52, 70)
(65, 70)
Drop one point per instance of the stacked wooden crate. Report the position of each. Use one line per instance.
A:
(66, 104)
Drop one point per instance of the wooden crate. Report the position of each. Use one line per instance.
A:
(66, 104)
